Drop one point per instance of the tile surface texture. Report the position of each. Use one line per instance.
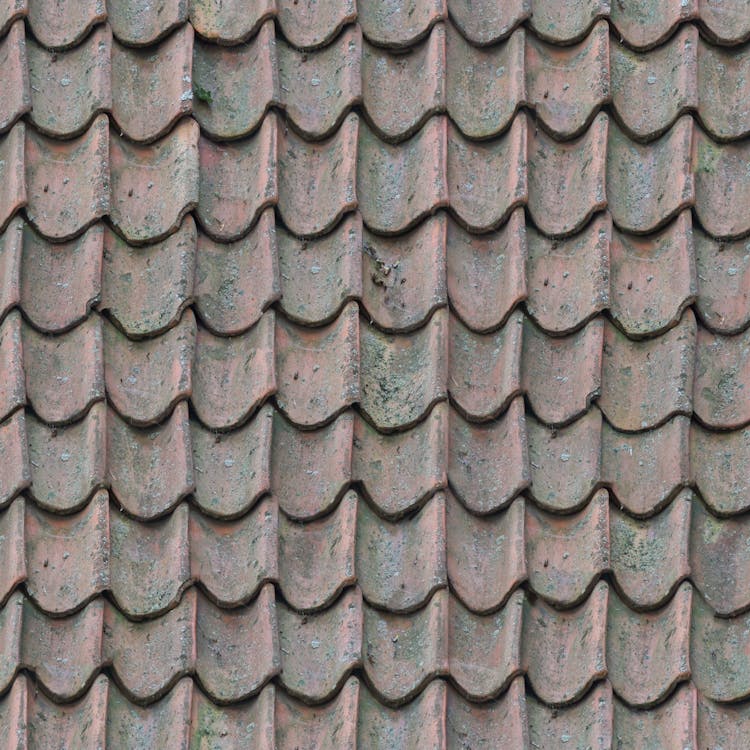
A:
(374, 374)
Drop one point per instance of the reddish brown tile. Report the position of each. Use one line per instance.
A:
(484, 369)
(487, 267)
(14, 711)
(12, 387)
(714, 458)
(149, 470)
(723, 270)
(563, 194)
(563, 23)
(722, 368)
(486, 560)
(167, 169)
(164, 72)
(319, 651)
(721, 725)
(14, 457)
(318, 370)
(79, 637)
(149, 657)
(302, 727)
(564, 674)
(67, 182)
(670, 726)
(394, 23)
(647, 469)
(719, 560)
(66, 23)
(399, 185)
(649, 184)
(322, 458)
(229, 22)
(13, 559)
(651, 90)
(567, 85)
(11, 242)
(232, 470)
(12, 159)
(722, 186)
(233, 559)
(402, 653)
(83, 722)
(17, 100)
(137, 23)
(400, 565)
(164, 724)
(500, 723)
(419, 725)
(562, 376)
(568, 279)
(717, 654)
(588, 722)
(567, 554)
(400, 471)
(330, 543)
(237, 650)
(485, 86)
(313, 195)
(487, 180)
(10, 11)
(64, 374)
(233, 376)
(224, 301)
(146, 379)
(653, 279)
(60, 282)
(237, 181)
(403, 277)
(314, 23)
(725, 22)
(249, 724)
(645, 383)
(319, 276)
(403, 376)
(485, 22)
(645, 23)
(11, 623)
(233, 87)
(395, 106)
(149, 563)
(319, 88)
(488, 464)
(648, 653)
(67, 463)
(69, 88)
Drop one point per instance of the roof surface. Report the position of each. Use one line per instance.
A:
(375, 375)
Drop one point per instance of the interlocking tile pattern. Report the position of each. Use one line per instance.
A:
(374, 375)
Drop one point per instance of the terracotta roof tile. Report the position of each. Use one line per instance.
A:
(229, 21)
(384, 464)
(13, 60)
(392, 23)
(645, 23)
(69, 88)
(67, 463)
(485, 22)
(140, 22)
(311, 24)
(11, 244)
(10, 11)
(13, 711)
(564, 23)
(12, 173)
(14, 455)
(725, 22)
(14, 571)
(12, 387)
(64, 24)
(721, 725)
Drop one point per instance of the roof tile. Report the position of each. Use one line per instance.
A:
(12, 388)
(12, 160)
(485, 22)
(14, 568)
(61, 282)
(318, 651)
(10, 10)
(11, 624)
(726, 22)
(169, 168)
(65, 23)
(229, 22)
(14, 710)
(17, 100)
(69, 88)
(67, 463)
(485, 555)
(330, 541)
(14, 457)
(395, 23)
(566, 22)
(141, 22)
(11, 243)
(400, 471)
(313, 23)
(721, 725)
(646, 23)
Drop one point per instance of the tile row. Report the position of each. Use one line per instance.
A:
(389, 23)
(645, 283)
(230, 89)
(234, 653)
(146, 190)
(438, 719)
(66, 561)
